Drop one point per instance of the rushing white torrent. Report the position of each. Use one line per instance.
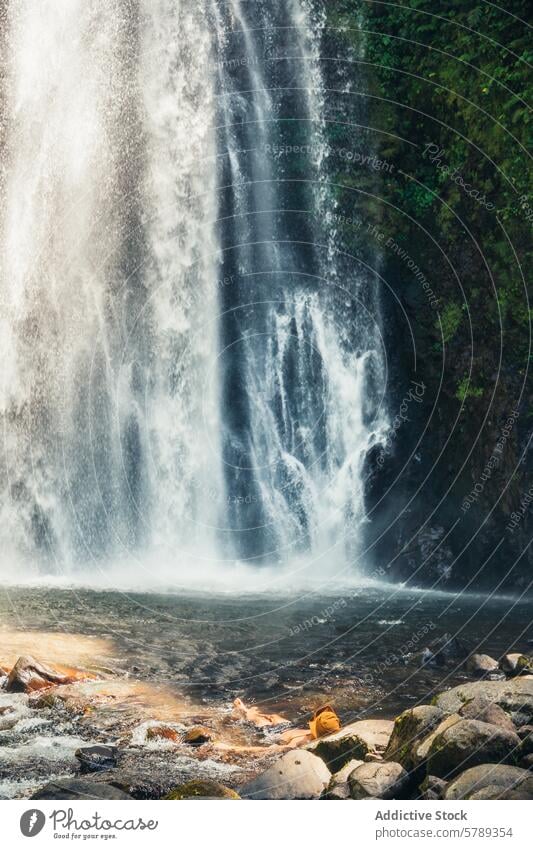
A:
(190, 380)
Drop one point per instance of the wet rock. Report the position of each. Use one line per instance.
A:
(373, 757)
(29, 675)
(516, 664)
(410, 727)
(353, 741)
(202, 789)
(297, 775)
(444, 650)
(479, 778)
(338, 787)
(433, 788)
(163, 732)
(387, 780)
(97, 758)
(480, 665)
(468, 743)
(79, 788)
(198, 735)
(486, 711)
(515, 696)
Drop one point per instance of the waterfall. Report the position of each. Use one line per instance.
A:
(190, 376)
(303, 358)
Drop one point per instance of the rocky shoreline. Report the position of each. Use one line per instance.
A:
(115, 740)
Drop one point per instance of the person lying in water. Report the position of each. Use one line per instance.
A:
(325, 721)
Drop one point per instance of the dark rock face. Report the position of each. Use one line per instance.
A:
(97, 758)
(468, 743)
(29, 675)
(386, 780)
(78, 788)
(296, 775)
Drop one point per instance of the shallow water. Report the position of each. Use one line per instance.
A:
(359, 647)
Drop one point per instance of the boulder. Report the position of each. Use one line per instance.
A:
(198, 735)
(29, 675)
(353, 741)
(338, 787)
(433, 788)
(516, 664)
(387, 780)
(410, 727)
(468, 743)
(297, 775)
(202, 789)
(96, 758)
(420, 751)
(526, 762)
(478, 778)
(515, 696)
(162, 732)
(79, 788)
(486, 711)
(480, 665)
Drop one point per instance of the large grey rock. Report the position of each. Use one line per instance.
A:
(411, 727)
(296, 775)
(516, 664)
(338, 787)
(514, 696)
(468, 743)
(486, 711)
(420, 750)
(478, 778)
(79, 788)
(480, 665)
(353, 741)
(385, 780)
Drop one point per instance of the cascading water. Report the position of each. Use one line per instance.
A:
(176, 391)
(302, 352)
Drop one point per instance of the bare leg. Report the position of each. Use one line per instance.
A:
(295, 737)
(256, 716)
